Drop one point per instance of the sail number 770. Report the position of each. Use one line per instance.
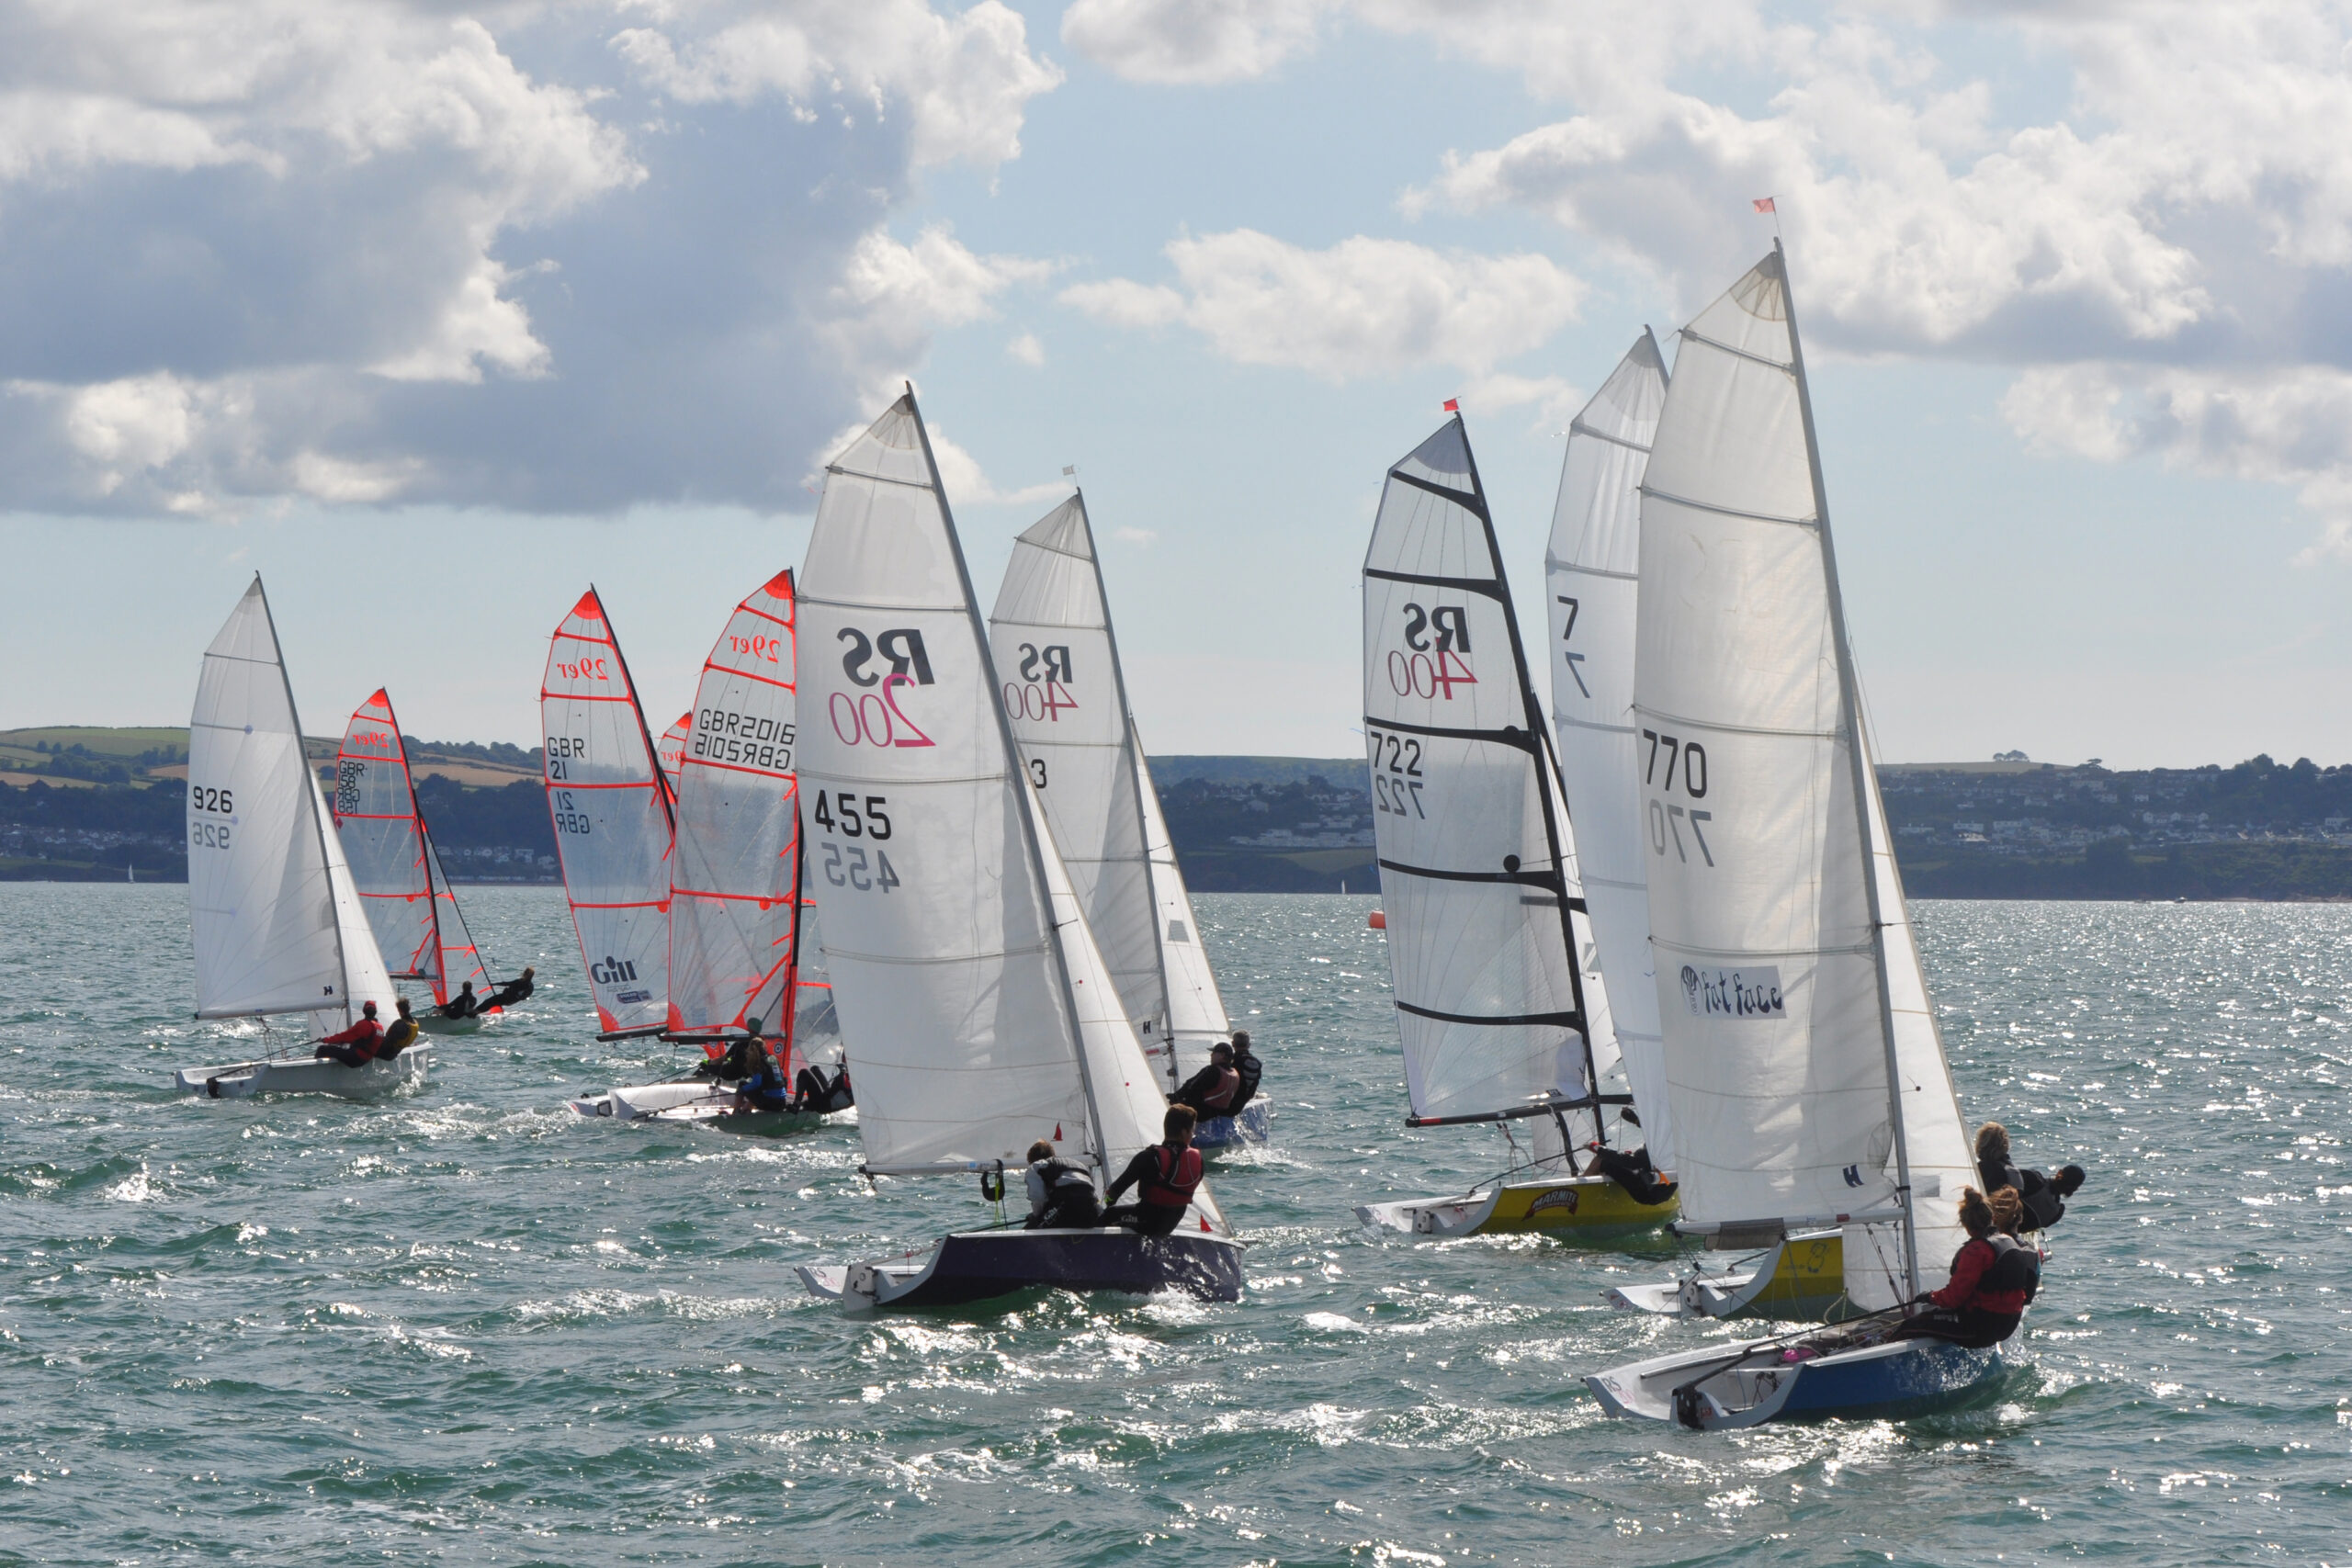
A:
(1686, 765)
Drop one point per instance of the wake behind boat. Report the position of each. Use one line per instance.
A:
(277, 922)
(977, 1013)
(1502, 1016)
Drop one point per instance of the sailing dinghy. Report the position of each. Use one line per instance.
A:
(410, 906)
(1502, 1016)
(1808, 1083)
(978, 1011)
(279, 923)
(613, 828)
(1065, 698)
(736, 934)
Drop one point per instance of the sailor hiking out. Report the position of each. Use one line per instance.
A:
(355, 1046)
(1164, 1177)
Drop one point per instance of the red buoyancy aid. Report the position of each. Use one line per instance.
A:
(1228, 1081)
(1175, 1174)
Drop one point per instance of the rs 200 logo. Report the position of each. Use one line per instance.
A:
(901, 647)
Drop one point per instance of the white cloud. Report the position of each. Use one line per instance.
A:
(967, 485)
(1364, 306)
(366, 248)
(1141, 538)
(964, 79)
(1194, 41)
(1026, 350)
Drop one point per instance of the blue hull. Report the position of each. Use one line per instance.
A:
(1254, 1125)
(1721, 1386)
(975, 1266)
(1941, 1377)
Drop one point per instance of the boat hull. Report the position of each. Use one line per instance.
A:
(433, 1023)
(1804, 1279)
(1585, 1208)
(702, 1103)
(242, 1080)
(1895, 1379)
(973, 1266)
(1250, 1129)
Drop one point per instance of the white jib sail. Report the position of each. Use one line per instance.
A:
(735, 879)
(612, 819)
(1591, 571)
(1066, 702)
(277, 920)
(409, 901)
(977, 1015)
(1196, 1015)
(1761, 902)
(1478, 870)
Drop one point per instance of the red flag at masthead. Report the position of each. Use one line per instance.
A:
(1453, 405)
(1764, 204)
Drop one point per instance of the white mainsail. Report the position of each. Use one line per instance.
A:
(977, 1012)
(278, 923)
(1066, 700)
(1780, 976)
(1196, 1015)
(1499, 1014)
(410, 903)
(1590, 571)
(735, 878)
(613, 825)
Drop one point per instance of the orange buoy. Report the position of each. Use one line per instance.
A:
(1378, 921)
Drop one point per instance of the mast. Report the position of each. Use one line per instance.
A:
(1548, 769)
(439, 977)
(1028, 802)
(310, 797)
(1135, 751)
(660, 779)
(1850, 700)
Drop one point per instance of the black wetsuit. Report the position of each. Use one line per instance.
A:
(812, 1090)
(1208, 1091)
(1246, 1063)
(1165, 1179)
(465, 1004)
(507, 995)
(1062, 1197)
(1632, 1170)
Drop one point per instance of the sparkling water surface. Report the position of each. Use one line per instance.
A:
(472, 1326)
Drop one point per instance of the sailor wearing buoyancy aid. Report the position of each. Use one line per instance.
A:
(1164, 1175)
(1210, 1091)
(1061, 1192)
(1993, 1277)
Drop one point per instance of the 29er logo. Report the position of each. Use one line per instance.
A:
(875, 717)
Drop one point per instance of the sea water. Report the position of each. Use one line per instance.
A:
(472, 1326)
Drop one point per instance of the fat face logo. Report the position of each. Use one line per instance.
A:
(1050, 663)
(901, 647)
(612, 971)
(1733, 993)
(1448, 626)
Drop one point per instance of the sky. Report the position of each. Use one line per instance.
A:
(434, 314)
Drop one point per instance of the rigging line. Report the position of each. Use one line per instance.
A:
(1555, 563)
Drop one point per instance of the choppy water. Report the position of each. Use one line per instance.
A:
(472, 1327)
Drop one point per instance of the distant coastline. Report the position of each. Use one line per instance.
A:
(97, 805)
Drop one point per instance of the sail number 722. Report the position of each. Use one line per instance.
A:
(844, 814)
(1397, 775)
(1685, 764)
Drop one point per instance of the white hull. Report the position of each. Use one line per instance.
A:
(1746, 1290)
(432, 1022)
(298, 1074)
(680, 1100)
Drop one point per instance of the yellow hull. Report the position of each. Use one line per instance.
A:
(1584, 1205)
(1807, 1282)
(1579, 1209)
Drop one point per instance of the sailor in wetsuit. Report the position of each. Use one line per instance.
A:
(1164, 1176)
(813, 1091)
(740, 1061)
(1061, 1192)
(763, 1088)
(465, 1004)
(516, 990)
(1246, 1067)
(2043, 1197)
(355, 1047)
(1992, 1277)
(1211, 1091)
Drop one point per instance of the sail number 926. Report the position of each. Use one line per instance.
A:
(863, 867)
(1667, 818)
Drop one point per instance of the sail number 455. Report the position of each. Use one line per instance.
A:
(848, 815)
(1666, 817)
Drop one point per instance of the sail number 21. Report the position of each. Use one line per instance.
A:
(849, 815)
(1666, 817)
